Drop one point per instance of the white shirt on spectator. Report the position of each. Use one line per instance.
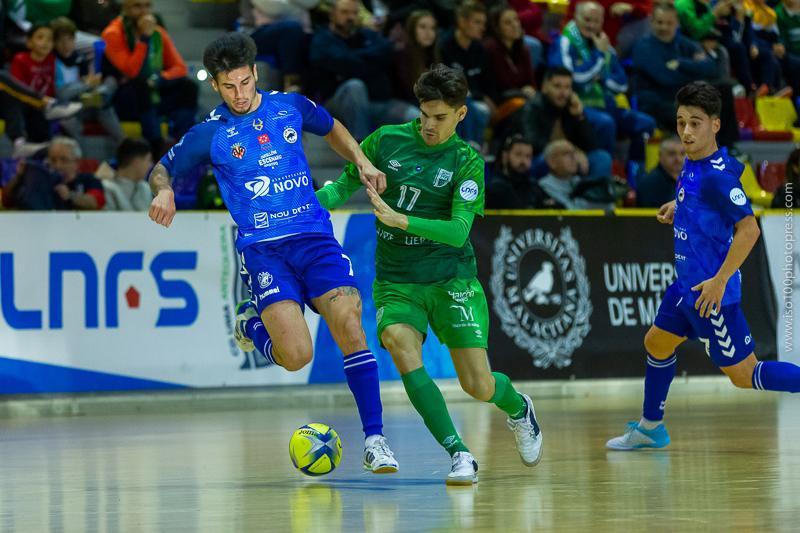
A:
(123, 194)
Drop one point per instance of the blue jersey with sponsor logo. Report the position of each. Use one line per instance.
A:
(260, 165)
(709, 203)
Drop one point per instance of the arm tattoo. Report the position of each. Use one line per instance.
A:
(159, 179)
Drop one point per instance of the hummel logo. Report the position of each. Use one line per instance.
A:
(718, 164)
(719, 167)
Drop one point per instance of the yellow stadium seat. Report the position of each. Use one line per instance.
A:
(134, 129)
(651, 156)
(753, 190)
(2, 127)
(776, 114)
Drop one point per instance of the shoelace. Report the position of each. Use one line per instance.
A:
(383, 448)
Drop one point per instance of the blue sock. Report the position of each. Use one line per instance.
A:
(776, 376)
(255, 330)
(361, 370)
(657, 379)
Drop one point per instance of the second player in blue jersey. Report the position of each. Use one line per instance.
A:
(253, 143)
(714, 232)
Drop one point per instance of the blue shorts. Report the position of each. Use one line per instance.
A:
(299, 268)
(726, 335)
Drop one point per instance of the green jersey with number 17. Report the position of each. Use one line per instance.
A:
(427, 182)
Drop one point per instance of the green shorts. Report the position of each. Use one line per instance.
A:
(456, 310)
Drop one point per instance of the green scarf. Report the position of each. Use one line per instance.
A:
(154, 62)
(591, 94)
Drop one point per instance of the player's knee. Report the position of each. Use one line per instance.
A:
(352, 332)
(654, 346)
(478, 388)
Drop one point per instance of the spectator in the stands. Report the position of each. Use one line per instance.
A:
(512, 186)
(417, 53)
(657, 187)
(557, 113)
(509, 59)
(76, 80)
(598, 78)
(788, 49)
(696, 17)
(665, 61)
(151, 73)
(280, 33)
(531, 16)
(786, 195)
(562, 182)
(624, 22)
(55, 185)
(36, 69)
(128, 190)
(352, 67)
(462, 48)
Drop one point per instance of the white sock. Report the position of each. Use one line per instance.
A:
(649, 424)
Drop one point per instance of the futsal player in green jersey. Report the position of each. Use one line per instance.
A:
(425, 264)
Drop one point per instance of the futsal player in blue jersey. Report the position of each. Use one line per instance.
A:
(290, 257)
(714, 230)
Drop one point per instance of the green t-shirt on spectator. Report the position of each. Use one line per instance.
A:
(789, 28)
(696, 18)
(43, 11)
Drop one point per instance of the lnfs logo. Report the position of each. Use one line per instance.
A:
(62, 262)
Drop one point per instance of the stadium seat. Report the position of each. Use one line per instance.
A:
(753, 190)
(750, 126)
(775, 114)
(771, 175)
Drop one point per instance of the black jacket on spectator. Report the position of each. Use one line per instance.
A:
(367, 56)
(537, 118)
(503, 192)
(474, 61)
(655, 188)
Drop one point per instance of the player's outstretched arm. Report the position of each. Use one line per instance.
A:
(162, 209)
(712, 290)
(666, 213)
(346, 146)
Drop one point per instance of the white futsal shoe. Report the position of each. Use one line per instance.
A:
(378, 457)
(528, 434)
(245, 310)
(464, 470)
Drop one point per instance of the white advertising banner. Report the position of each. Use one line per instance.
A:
(113, 301)
(780, 233)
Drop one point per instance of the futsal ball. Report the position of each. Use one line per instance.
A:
(315, 449)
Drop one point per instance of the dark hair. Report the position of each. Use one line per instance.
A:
(36, 27)
(665, 7)
(792, 176)
(552, 72)
(229, 52)
(62, 26)
(516, 138)
(130, 149)
(495, 14)
(469, 8)
(419, 58)
(442, 83)
(700, 94)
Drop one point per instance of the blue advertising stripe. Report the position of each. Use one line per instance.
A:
(26, 377)
(359, 244)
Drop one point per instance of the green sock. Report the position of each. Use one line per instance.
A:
(427, 399)
(506, 396)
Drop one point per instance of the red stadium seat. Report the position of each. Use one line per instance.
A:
(771, 175)
(88, 166)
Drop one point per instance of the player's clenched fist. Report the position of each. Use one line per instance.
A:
(162, 209)
(372, 177)
(667, 213)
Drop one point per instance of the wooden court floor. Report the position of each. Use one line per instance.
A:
(734, 465)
